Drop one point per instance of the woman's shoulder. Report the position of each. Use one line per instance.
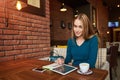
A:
(71, 41)
(93, 37)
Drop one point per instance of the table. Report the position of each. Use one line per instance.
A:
(22, 70)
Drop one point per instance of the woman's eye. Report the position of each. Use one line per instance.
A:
(80, 26)
(75, 26)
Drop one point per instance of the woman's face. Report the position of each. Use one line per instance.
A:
(78, 28)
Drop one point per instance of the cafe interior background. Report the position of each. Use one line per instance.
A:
(31, 31)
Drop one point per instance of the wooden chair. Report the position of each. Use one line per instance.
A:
(112, 58)
(117, 44)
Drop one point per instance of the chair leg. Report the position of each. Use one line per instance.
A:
(115, 71)
(111, 73)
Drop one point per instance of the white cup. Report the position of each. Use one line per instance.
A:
(84, 67)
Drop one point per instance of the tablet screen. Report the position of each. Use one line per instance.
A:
(64, 69)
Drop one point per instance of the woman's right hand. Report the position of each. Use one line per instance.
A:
(60, 61)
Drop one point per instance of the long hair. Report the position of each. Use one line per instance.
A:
(87, 27)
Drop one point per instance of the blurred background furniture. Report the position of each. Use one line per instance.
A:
(108, 44)
(112, 58)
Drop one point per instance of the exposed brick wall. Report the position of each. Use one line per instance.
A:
(102, 22)
(26, 36)
(57, 33)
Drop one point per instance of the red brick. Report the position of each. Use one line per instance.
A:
(32, 29)
(6, 48)
(37, 50)
(46, 49)
(15, 12)
(23, 23)
(33, 46)
(20, 27)
(11, 42)
(24, 51)
(33, 55)
(10, 32)
(20, 37)
(1, 9)
(24, 14)
(2, 25)
(20, 18)
(11, 27)
(1, 43)
(15, 22)
(0, 31)
(2, 20)
(1, 48)
(6, 58)
(26, 42)
(32, 37)
(36, 33)
(13, 52)
(2, 54)
(6, 37)
(21, 56)
(28, 55)
(37, 41)
(20, 47)
(25, 33)
(37, 25)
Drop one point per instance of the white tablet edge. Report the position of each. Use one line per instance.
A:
(66, 72)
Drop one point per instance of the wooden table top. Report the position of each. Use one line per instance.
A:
(22, 70)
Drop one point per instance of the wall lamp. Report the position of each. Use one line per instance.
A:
(19, 5)
(76, 13)
(108, 32)
(63, 8)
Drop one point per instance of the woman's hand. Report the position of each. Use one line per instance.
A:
(60, 61)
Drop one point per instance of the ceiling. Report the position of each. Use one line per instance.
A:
(78, 3)
(114, 11)
(111, 3)
(74, 3)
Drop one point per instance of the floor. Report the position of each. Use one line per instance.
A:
(118, 71)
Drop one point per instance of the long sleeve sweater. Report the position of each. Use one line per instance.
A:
(86, 52)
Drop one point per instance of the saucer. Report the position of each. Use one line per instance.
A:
(87, 73)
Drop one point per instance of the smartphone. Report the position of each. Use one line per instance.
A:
(39, 69)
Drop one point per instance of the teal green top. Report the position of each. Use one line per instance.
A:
(86, 52)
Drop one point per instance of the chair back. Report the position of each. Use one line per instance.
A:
(113, 56)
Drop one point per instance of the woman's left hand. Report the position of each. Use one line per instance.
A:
(60, 61)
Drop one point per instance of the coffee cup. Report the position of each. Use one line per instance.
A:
(84, 67)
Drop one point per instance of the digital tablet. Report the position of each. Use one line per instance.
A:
(64, 69)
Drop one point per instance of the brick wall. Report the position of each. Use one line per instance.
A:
(59, 35)
(26, 36)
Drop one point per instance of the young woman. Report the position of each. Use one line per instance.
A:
(83, 46)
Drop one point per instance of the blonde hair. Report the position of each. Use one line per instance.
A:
(87, 27)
